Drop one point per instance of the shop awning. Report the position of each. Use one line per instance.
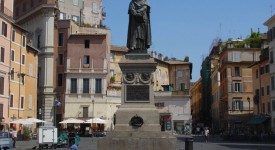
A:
(257, 121)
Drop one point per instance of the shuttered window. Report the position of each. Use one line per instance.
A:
(73, 85)
(11, 100)
(237, 105)
(2, 85)
(30, 102)
(2, 54)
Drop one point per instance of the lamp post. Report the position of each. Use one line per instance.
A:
(248, 99)
(93, 102)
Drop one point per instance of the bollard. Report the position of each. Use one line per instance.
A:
(188, 143)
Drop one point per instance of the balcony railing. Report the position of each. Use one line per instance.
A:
(6, 11)
(86, 70)
(172, 93)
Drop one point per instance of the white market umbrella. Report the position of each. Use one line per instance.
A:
(34, 120)
(71, 120)
(21, 121)
(96, 120)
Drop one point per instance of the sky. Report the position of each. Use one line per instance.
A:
(187, 27)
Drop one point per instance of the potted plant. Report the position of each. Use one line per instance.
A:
(26, 133)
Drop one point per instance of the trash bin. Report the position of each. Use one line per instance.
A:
(189, 143)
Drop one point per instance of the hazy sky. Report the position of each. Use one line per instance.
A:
(187, 27)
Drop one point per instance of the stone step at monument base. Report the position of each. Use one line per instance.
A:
(138, 141)
(144, 128)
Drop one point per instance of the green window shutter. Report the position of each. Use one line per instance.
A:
(241, 105)
(233, 105)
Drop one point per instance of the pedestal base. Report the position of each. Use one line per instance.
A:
(138, 141)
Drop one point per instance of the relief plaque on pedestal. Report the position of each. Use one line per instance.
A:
(137, 93)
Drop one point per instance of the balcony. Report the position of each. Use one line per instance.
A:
(8, 13)
(90, 31)
(172, 93)
(86, 69)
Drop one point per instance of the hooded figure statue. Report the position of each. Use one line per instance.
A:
(139, 30)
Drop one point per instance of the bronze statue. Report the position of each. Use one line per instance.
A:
(139, 30)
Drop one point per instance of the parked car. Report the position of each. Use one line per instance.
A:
(6, 141)
(99, 134)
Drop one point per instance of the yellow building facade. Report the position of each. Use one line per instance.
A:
(23, 76)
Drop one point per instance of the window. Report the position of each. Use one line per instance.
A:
(1, 110)
(273, 105)
(24, 7)
(85, 85)
(237, 72)
(13, 36)
(11, 100)
(261, 70)
(112, 56)
(75, 2)
(95, 8)
(85, 112)
(2, 79)
(22, 102)
(257, 73)
(272, 83)
(263, 109)
(267, 90)
(12, 73)
(62, 16)
(31, 3)
(2, 54)
(60, 39)
(60, 59)
(98, 86)
(30, 102)
(24, 41)
(236, 57)
(267, 69)
(12, 55)
(87, 43)
(75, 18)
(59, 79)
(262, 91)
(23, 60)
(38, 41)
(4, 29)
(17, 11)
(73, 85)
(237, 105)
(271, 57)
(268, 108)
(86, 61)
(112, 72)
(30, 69)
(237, 87)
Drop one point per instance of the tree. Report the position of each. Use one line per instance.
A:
(186, 59)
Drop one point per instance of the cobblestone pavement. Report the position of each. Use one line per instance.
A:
(199, 144)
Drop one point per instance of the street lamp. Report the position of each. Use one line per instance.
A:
(248, 99)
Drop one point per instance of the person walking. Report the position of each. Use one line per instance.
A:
(206, 134)
(14, 137)
(73, 145)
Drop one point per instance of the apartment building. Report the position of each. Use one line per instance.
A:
(270, 23)
(18, 67)
(236, 83)
(38, 18)
(6, 24)
(83, 72)
(84, 12)
(261, 84)
(196, 103)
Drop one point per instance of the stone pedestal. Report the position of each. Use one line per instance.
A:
(137, 120)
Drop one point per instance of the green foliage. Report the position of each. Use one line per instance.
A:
(264, 54)
(254, 40)
(186, 59)
(112, 79)
(26, 132)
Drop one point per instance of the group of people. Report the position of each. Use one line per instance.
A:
(204, 131)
